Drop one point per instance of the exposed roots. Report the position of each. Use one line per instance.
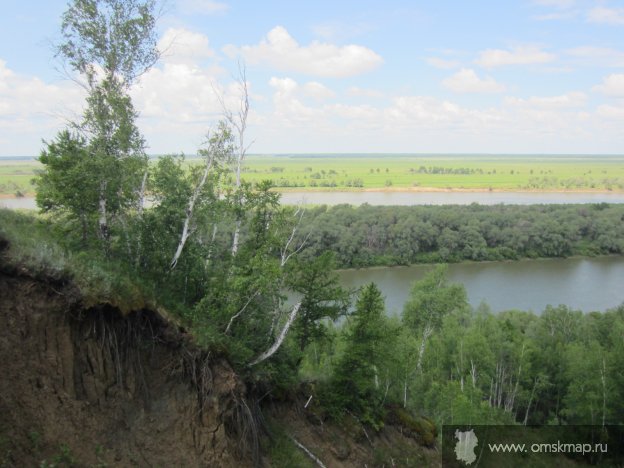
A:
(123, 341)
(243, 425)
(195, 365)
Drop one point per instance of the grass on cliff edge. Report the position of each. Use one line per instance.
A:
(32, 249)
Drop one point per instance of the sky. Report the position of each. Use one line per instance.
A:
(519, 76)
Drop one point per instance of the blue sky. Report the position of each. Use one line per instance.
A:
(530, 76)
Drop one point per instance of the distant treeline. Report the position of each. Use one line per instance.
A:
(400, 235)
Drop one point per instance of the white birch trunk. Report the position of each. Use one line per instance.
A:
(141, 205)
(239, 122)
(426, 334)
(473, 374)
(189, 213)
(211, 246)
(235, 238)
(269, 352)
(103, 220)
(238, 314)
(526, 413)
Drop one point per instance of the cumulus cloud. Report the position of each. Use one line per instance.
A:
(31, 109)
(491, 58)
(289, 110)
(564, 101)
(467, 81)
(606, 15)
(282, 52)
(318, 91)
(442, 63)
(610, 112)
(364, 92)
(598, 56)
(180, 45)
(612, 85)
(182, 86)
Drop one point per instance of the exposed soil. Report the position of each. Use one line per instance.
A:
(90, 386)
(94, 388)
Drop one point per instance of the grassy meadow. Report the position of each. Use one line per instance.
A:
(401, 172)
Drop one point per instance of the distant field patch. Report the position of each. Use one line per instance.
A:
(391, 172)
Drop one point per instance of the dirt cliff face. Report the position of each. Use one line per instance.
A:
(92, 387)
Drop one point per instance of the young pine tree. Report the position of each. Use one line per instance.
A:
(355, 385)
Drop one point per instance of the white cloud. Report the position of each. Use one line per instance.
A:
(364, 92)
(31, 109)
(565, 101)
(612, 85)
(605, 15)
(491, 58)
(361, 114)
(288, 108)
(610, 112)
(598, 56)
(467, 81)
(442, 63)
(180, 45)
(318, 91)
(281, 51)
(206, 7)
(426, 112)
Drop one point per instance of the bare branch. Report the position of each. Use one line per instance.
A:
(307, 452)
(285, 256)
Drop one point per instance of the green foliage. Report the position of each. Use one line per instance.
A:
(95, 175)
(68, 183)
(323, 299)
(401, 235)
(355, 384)
(431, 299)
(282, 451)
(116, 35)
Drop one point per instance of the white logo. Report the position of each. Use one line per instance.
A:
(464, 448)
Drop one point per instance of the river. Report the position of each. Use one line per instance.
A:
(587, 284)
(449, 198)
(414, 198)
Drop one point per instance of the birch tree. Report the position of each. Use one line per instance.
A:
(430, 300)
(217, 154)
(238, 121)
(108, 44)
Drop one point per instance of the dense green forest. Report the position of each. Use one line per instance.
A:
(464, 366)
(221, 256)
(402, 235)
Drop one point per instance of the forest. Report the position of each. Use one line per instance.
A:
(402, 235)
(221, 255)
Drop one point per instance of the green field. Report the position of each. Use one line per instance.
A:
(391, 172)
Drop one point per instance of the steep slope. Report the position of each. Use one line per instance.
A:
(94, 387)
(89, 383)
